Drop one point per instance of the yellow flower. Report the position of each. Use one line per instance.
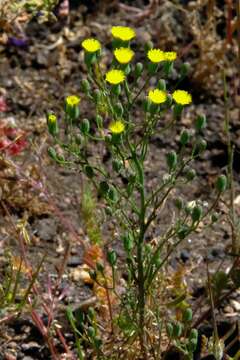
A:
(157, 96)
(117, 127)
(123, 33)
(115, 76)
(91, 45)
(72, 100)
(123, 55)
(52, 118)
(170, 55)
(182, 97)
(156, 55)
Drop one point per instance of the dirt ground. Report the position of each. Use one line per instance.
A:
(36, 77)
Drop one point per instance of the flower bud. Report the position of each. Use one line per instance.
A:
(169, 329)
(112, 257)
(192, 345)
(85, 126)
(177, 330)
(171, 160)
(148, 46)
(97, 95)
(161, 84)
(103, 188)
(99, 121)
(52, 153)
(91, 313)
(179, 203)
(93, 274)
(89, 171)
(72, 106)
(86, 86)
(199, 147)
(52, 124)
(193, 334)
(183, 232)
(185, 69)
(187, 315)
(112, 194)
(117, 165)
(91, 332)
(128, 242)
(116, 89)
(184, 137)
(196, 213)
(221, 183)
(214, 217)
(138, 69)
(99, 267)
(146, 105)
(190, 174)
(201, 122)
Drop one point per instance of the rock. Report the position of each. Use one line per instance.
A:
(45, 228)
(235, 304)
(74, 261)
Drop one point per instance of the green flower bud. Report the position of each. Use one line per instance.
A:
(93, 274)
(200, 147)
(97, 95)
(91, 313)
(127, 69)
(91, 332)
(183, 232)
(201, 122)
(99, 121)
(85, 126)
(177, 330)
(99, 267)
(221, 183)
(179, 203)
(52, 124)
(78, 139)
(118, 109)
(161, 84)
(117, 165)
(192, 345)
(148, 46)
(113, 194)
(103, 188)
(171, 160)
(169, 329)
(214, 217)
(86, 86)
(112, 257)
(190, 174)
(138, 69)
(108, 210)
(184, 137)
(196, 213)
(89, 171)
(128, 242)
(187, 315)
(72, 106)
(185, 69)
(52, 153)
(193, 334)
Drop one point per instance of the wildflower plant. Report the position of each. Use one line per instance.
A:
(115, 95)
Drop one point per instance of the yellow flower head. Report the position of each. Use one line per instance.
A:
(170, 55)
(72, 100)
(156, 55)
(117, 127)
(115, 76)
(123, 33)
(123, 55)
(182, 97)
(52, 118)
(91, 45)
(157, 96)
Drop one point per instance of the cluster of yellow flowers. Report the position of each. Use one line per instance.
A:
(124, 55)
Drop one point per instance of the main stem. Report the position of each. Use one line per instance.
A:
(140, 243)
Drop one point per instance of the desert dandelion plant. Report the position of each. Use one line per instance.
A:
(115, 77)
(91, 45)
(117, 127)
(182, 97)
(72, 100)
(123, 33)
(156, 55)
(157, 96)
(170, 55)
(123, 55)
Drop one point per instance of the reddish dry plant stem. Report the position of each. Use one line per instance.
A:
(229, 21)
